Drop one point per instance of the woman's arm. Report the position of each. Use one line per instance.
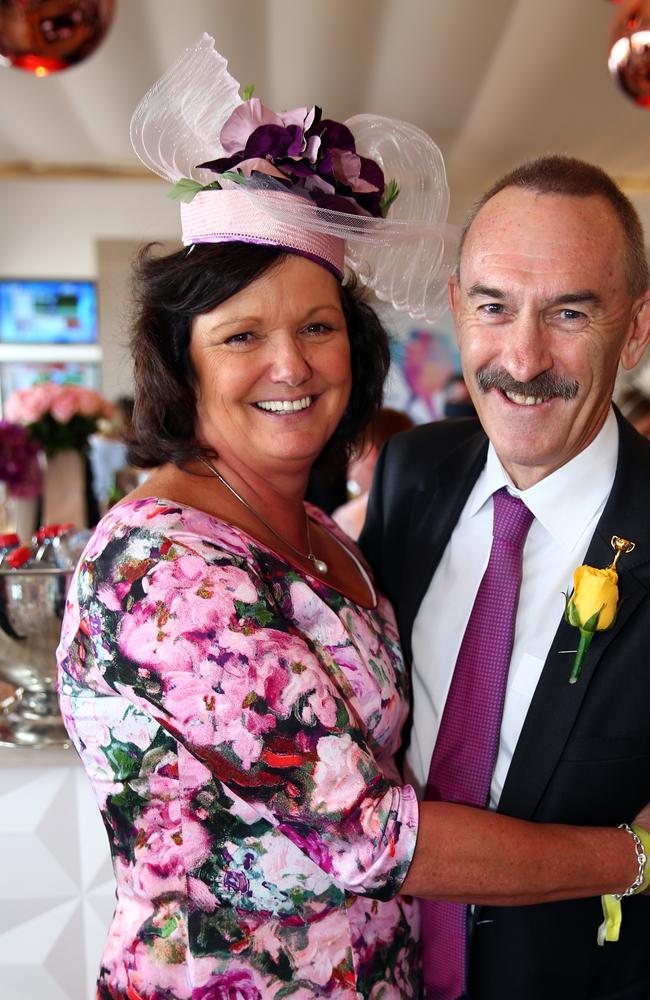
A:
(477, 856)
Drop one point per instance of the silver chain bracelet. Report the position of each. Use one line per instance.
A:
(641, 859)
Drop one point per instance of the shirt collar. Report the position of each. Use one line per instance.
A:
(565, 502)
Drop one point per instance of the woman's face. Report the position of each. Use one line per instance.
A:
(272, 366)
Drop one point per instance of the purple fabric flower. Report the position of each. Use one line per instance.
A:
(334, 135)
(251, 115)
(308, 153)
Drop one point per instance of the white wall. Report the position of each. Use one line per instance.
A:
(86, 229)
(50, 227)
(114, 258)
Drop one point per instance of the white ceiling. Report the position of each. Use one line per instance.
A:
(493, 81)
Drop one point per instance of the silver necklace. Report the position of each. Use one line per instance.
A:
(319, 565)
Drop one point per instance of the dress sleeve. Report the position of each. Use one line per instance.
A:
(191, 635)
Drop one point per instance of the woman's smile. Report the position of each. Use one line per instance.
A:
(285, 406)
(272, 367)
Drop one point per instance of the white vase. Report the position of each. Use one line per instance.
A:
(22, 512)
(64, 489)
(5, 512)
(17, 514)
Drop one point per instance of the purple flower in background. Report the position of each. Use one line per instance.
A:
(19, 465)
(305, 152)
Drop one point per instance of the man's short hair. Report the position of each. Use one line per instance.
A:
(569, 176)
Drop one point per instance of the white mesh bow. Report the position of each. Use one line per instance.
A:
(178, 121)
(405, 258)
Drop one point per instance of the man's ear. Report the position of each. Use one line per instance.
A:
(638, 334)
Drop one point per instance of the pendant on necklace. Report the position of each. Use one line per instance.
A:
(318, 564)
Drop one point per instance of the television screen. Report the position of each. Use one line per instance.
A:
(48, 312)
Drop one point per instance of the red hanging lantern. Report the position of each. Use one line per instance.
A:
(629, 49)
(46, 36)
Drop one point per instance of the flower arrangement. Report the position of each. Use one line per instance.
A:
(592, 605)
(307, 154)
(19, 466)
(58, 416)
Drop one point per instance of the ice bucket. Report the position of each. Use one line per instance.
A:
(32, 601)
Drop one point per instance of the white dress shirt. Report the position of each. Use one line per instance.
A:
(567, 506)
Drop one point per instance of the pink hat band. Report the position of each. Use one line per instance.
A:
(233, 216)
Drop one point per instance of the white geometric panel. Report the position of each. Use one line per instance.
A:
(32, 983)
(22, 807)
(57, 831)
(101, 904)
(94, 853)
(12, 777)
(30, 942)
(30, 870)
(57, 891)
(21, 911)
(68, 972)
(96, 922)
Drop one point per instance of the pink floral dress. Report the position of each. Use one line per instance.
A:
(237, 719)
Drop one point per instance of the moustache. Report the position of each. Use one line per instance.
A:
(543, 386)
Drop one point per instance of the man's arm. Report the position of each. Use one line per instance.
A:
(478, 856)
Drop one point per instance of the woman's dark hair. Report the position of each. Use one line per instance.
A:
(169, 292)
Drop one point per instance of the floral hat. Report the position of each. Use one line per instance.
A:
(370, 193)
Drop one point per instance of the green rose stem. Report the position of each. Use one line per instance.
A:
(583, 646)
(587, 631)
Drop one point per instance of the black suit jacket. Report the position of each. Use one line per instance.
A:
(584, 751)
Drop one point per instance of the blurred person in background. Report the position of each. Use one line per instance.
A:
(387, 422)
(635, 406)
(457, 401)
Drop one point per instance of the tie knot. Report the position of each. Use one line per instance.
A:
(512, 518)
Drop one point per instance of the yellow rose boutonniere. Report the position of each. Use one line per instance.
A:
(592, 605)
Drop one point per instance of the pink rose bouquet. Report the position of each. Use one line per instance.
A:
(58, 416)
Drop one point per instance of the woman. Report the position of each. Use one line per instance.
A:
(231, 679)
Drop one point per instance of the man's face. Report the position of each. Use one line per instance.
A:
(543, 315)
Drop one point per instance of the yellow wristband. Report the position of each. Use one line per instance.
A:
(610, 928)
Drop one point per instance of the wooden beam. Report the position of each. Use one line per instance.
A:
(28, 170)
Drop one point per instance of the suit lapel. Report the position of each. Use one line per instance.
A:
(436, 509)
(556, 703)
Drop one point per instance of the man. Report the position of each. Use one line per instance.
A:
(549, 296)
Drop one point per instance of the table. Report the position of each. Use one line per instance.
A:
(57, 891)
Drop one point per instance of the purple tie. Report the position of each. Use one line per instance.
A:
(466, 748)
